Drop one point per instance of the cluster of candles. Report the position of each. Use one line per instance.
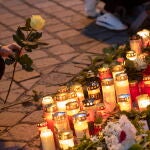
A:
(68, 114)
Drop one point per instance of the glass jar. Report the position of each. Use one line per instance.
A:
(81, 125)
(109, 96)
(66, 140)
(124, 102)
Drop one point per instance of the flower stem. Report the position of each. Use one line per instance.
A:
(11, 82)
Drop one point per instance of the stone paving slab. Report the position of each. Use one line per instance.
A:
(54, 64)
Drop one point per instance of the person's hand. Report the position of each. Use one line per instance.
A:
(7, 50)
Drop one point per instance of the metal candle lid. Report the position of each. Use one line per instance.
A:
(93, 85)
(107, 82)
(64, 135)
(103, 69)
(47, 99)
(121, 77)
(42, 124)
(90, 73)
(88, 102)
(76, 87)
(131, 54)
(72, 105)
(80, 117)
(117, 68)
(51, 108)
(124, 97)
(61, 96)
(63, 89)
(59, 116)
(72, 94)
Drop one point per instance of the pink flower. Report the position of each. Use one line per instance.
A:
(122, 136)
(120, 59)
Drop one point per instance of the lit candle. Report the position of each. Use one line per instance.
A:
(147, 87)
(116, 70)
(136, 44)
(134, 91)
(122, 84)
(42, 126)
(124, 102)
(47, 140)
(61, 121)
(89, 107)
(93, 87)
(104, 72)
(109, 97)
(66, 140)
(72, 96)
(145, 34)
(143, 101)
(46, 101)
(48, 115)
(61, 101)
(72, 109)
(79, 91)
(131, 55)
(81, 125)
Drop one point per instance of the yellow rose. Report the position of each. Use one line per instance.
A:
(37, 22)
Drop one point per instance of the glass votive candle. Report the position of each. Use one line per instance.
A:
(116, 70)
(136, 44)
(109, 96)
(61, 101)
(124, 102)
(48, 115)
(47, 100)
(104, 72)
(122, 84)
(61, 122)
(143, 101)
(147, 87)
(134, 90)
(77, 87)
(72, 96)
(66, 140)
(131, 55)
(81, 125)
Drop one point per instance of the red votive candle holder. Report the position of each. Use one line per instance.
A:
(104, 72)
(134, 90)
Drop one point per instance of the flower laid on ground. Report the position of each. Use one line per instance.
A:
(120, 135)
(28, 38)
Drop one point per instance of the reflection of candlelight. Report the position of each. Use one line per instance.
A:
(66, 140)
(124, 102)
(145, 34)
(122, 84)
(47, 140)
(109, 97)
(81, 125)
(143, 101)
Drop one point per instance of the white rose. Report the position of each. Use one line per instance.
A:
(37, 22)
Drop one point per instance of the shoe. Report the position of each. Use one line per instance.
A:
(110, 21)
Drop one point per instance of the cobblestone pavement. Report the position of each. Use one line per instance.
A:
(66, 55)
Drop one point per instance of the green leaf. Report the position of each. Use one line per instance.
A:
(34, 36)
(18, 40)
(28, 20)
(10, 60)
(30, 45)
(136, 147)
(24, 29)
(20, 34)
(26, 62)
